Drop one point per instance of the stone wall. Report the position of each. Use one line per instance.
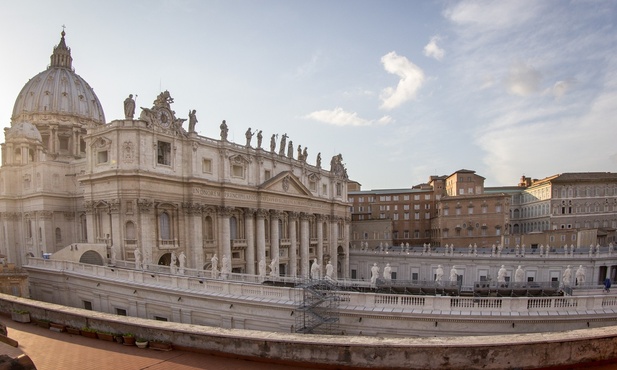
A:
(519, 351)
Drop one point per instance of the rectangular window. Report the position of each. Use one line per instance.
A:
(427, 215)
(406, 215)
(416, 216)
(405, 197)
(87, 305)
(164, 153)
(120, 311)
(313, 186)
(102, 157)
(406, 207)
(395, 217)
(324, 189)
(395, 198)
(206, 166)
(427, 197)
(470, 210)
(461, 191)
(237, 171)
(416, 197)
(446, 211)
(267, 175)
(416, 206)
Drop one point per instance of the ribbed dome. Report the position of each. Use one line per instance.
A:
(23, 130)
(58, 91)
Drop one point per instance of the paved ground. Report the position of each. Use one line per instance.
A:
(53, 351)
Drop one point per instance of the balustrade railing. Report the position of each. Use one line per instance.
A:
(256, 287)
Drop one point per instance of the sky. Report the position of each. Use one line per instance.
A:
(402, 89)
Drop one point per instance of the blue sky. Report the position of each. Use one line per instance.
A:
(402, 89)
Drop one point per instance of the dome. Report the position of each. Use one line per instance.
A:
(58, 94)
(23, 130)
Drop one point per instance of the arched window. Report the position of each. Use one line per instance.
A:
(130, 234)
(165, 226)
(233, 228)
(208, 228)
(29, 228)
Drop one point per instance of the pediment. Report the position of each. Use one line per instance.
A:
(286, 183)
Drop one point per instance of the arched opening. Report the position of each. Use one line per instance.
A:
(165, 260)
(91, 258)
(165, 226)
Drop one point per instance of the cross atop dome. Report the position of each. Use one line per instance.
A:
(61, 57)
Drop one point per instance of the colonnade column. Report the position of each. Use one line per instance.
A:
(333, 243)
(225, 232)
(292, 217)
(275, 216)
(260, 234)
(249, 231)
(195, 247)
(319, 220)
(304, 244)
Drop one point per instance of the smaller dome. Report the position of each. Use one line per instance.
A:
(23, 130)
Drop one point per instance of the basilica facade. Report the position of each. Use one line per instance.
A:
(149, 188)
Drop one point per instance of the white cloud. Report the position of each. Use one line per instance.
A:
(340, 117)
(492, 15)
(522, 79)
(412, 78)
(431, 49)
(560, 88)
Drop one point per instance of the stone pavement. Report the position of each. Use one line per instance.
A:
(53, 351)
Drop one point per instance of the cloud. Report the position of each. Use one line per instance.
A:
(431, 49)
(560, 88)
(340, 117)
(492, 15)
(412, 78)
(522, 79)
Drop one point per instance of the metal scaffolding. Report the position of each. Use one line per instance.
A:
(317, 311)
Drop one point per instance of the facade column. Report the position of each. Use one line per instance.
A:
(292, 218)
(260, 234)
(75, 142)
(10, 222)
(47, 242)
(225, 232)
(275, 216)
(53, 138)
(346, 227)
(333, 244)
(249, 234)
(193, 225)
(319, 219)
(89, 206)
(147, 231)
(304, 244)
(117, 231)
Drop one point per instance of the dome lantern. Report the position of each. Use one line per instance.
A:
(61, 57)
